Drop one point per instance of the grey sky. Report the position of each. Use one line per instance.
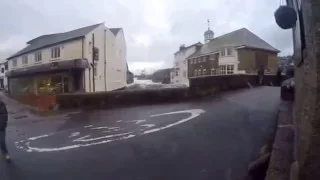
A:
(154, 29)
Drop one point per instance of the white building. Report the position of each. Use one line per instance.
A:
(63, 62)
(3, 77)
(179, 74)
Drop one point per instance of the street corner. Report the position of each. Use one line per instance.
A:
(96, 134)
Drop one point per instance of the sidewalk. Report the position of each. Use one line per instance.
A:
(282, 151)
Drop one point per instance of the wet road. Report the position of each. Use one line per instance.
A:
(213, 138)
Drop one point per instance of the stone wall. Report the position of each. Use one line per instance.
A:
(307, 97)
(199, 87)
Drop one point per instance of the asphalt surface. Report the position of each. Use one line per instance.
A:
(212, 138)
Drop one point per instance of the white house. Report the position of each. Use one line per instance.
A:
(179, 74)
(3, 77)
(88, 59)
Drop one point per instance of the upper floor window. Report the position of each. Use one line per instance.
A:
(213, 71)
(184, 74)
(6, 66)
(223, 52)
(14, 63)
(2, 70)
(229, 51)
(204, 71)
(25, 59)
(55, 52)
(38, 56)
(191, 61)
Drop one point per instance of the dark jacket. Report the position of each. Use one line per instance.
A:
(3, 116)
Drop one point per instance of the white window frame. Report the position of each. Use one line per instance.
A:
(38, 56)
(14, 62)
(204, 72)
(223, 52)
(55, 52)
(213, 71)
(25, 60)
(229, 51)
(230, 69)
(177, 73)
(222, 69)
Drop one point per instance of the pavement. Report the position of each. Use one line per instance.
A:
(213, 138)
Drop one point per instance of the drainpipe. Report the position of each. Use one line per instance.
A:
(105, 60)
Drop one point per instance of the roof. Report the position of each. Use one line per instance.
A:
(115, 30)
(239, 38)
(198, 43)
(50, 39)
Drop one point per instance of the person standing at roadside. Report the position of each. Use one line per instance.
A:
(261, 75)
(3, 126)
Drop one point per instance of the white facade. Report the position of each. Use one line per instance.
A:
(3, 77)
(110, 68)
(179, 74)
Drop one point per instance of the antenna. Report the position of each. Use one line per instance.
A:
(208, 24)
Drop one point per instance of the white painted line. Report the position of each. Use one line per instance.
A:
(74, 134)
(88, 126)
(104, 127)
(137, 121)
(148, 125)
(83, 139)
(194, 113)
(38, 137)
(285, 126)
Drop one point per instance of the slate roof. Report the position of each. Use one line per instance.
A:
(238, 38)
(50, 39)
(115, 30)
(198, 43)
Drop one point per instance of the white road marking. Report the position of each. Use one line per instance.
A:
(83, 139)
(38, 137)
(109, 138)
(104, 127)
(137, 121)
(148, 125)
(194, 113)
(74, 134)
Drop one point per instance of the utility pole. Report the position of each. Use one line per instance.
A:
(93, 65)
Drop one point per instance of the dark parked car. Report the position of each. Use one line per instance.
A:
(287, 89)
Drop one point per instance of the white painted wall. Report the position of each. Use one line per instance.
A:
(3, 75)
(230, 60)
(181, 65)
(116, 61)
(68, 51)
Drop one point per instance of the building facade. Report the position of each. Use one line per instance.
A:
(238, 52)
(179, 73)
(3, 77)
(88, 59)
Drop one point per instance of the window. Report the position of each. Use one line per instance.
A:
(177, 72)
(229, 51)
(6, 66)
(55, 52)
(213, 71)
(204, 59)
(195, 72)
(222, 69)
(223, 52)
(208, 58)
(204, 71)
(199, 72)
(14, 63)
(230, 69)
(38, 56)
(184, 62)
(95, 69)
(25, 59)
(2, 70)
(191, 61)
(184, 74)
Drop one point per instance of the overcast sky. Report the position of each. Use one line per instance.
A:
(154, 29)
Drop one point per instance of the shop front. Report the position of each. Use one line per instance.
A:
(48, 79)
